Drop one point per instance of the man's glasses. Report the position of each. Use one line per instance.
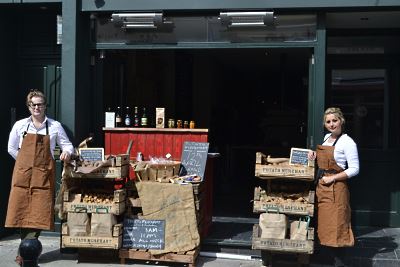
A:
(38, 105)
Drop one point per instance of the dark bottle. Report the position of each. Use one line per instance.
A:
(136, 121)
(143, 119)
(118, 118)
(127, 117)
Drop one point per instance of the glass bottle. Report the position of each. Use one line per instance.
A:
(143, 120)
(118, 118)
(127, 118)
(136, 121)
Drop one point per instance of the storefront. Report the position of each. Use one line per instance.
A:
(255, 88)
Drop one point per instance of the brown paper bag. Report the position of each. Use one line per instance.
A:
(299, 229)
(78, 224)
(102, 224)
(273, 225)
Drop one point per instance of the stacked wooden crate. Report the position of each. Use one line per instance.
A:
(154, 173)
(286, 189)
(99, 195)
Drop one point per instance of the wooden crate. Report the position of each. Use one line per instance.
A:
(113, 242)
(271, 171)
(117, 207)
(114, 208)
(120, 160)
(290, 208)
(294, 209)
(283, 245)
(186, 257)
(154, 171)
(118, 195)
(264, 169)
(102, 172)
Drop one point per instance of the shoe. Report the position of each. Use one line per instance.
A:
(339, 262)
(19, 260)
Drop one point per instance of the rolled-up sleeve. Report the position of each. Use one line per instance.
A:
(353, 163)
(13, 141)
(63, 140)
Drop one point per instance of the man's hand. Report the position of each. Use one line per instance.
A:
(65, 156)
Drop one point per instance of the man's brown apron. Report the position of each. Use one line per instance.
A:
(31, 198)
(334, 213)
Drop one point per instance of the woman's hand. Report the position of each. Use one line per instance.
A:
(312, 155)
(328, 179)
(65, 156)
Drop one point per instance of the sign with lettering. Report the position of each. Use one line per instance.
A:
(92, 154)
(194, 158)
(299, 156)
(144, 234)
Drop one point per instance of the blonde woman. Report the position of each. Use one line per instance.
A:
(337, 160)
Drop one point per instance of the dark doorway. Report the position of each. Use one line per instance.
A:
(250, 100)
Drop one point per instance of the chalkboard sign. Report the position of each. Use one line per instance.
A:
(92, 154)
(194, 158)
(299, 156)
(144, 234)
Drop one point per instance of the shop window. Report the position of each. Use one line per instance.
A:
(360, 93)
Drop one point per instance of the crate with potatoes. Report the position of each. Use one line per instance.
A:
(284, 198)
(93, 217)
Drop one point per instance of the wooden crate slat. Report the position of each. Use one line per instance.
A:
(114, 208)
(281, 245)
(284, 171)
(287, 208)
(91, 242)
(178, 257)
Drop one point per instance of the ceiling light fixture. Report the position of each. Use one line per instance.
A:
(138, 20)
(247, 19)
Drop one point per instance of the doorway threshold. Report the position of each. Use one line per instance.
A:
(230, 231)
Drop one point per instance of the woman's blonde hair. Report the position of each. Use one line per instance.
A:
(33, 93)
(337, 112)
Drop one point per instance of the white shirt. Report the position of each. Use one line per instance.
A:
(56, 132)
(345, 151)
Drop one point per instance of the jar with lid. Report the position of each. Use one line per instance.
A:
(179, 124)
(171, 123)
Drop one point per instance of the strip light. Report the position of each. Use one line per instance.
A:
(138, 20)
(247, 19)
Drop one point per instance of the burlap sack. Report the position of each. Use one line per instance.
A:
(299, 229)
(102, 224)
(273, 225)
(78, 224)
(173, 203)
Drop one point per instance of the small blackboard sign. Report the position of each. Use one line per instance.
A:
(299, 156)
(144, 234)
(92, 154)
(194, 158)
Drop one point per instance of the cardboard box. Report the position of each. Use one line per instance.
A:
(160, 117)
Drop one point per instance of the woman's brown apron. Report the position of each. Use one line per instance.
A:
(31, 201)
(334, 212)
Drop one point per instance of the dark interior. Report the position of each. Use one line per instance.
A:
(250, 100)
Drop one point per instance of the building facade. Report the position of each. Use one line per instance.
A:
(257, 88)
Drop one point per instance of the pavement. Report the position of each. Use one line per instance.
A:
(375, 247)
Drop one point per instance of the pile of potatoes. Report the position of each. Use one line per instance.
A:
(97, 198)
(283, 198)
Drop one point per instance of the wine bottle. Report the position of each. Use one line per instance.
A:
(136, 121)
(118, 118)
(127, 117)
(143, 120)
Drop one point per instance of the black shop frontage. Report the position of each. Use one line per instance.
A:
(257, 77)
